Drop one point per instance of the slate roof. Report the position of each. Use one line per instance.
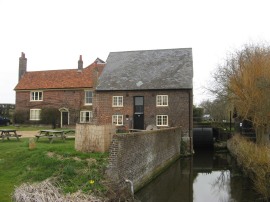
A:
(60, 79)
(148, 70)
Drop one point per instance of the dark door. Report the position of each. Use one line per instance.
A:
(64, 118)
(138, 112)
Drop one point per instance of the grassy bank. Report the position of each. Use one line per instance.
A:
(72, 170)
(254, 160)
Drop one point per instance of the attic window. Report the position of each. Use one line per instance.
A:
(36, 96)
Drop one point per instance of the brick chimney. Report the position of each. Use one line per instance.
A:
(22, 65)
(80, 63)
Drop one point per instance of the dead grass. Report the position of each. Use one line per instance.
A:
(47, 191)
(255, 161)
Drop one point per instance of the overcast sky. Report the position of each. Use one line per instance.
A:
(53, 33)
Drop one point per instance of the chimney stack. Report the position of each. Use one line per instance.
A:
(22, 65)
(80, 63)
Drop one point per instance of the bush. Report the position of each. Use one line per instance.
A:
(21, 116)
(50, 116)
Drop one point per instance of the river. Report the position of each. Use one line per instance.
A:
(205, 177)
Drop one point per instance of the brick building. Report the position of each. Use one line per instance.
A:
(146, 88)
(70, 91)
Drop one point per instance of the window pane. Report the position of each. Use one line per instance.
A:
(138, 100)
(165, 100)
(164, 120)
(120, 120)
(158, 100)
(120, 99)
(114, 101)
(114, 119)
(39, 95)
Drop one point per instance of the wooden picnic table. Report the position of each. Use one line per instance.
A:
(51, 134)
(9, 133)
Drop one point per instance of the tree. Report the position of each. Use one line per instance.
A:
(244, 80)
(218, 109)
(197, 114)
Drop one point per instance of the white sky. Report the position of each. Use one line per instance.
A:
(53, 33)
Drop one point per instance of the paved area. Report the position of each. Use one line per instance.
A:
(27, 133)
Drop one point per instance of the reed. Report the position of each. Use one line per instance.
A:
(254, 160)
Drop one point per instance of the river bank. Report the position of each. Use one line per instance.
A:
(254, 160)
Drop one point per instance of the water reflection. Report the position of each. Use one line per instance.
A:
(205, 177)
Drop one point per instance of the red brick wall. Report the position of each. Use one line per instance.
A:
(178, 109)
(143, 155)
(73, 100)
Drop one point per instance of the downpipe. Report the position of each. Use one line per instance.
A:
(131, 186)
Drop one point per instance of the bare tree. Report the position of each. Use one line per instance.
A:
(218, 109)
(244, 80)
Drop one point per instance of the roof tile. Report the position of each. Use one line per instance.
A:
(60, 79)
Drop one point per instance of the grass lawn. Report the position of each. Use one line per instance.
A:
(73, 170)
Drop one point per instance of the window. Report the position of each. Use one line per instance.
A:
(117, 101)
(36, 96)
(86, 116)
(162, 100)
(117, 120)
(88, 97)
(162, 120)
(35, 114)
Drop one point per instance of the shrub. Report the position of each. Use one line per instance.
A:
(50, 116)
(21, 116)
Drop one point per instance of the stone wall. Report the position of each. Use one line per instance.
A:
(92, 138)
(143, 155)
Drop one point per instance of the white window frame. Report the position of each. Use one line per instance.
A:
(33, 96)
(117, 120)
(86, 97)
(83, 116)
(117, 101)
(36, 116)
(162, 100)
(160, 118)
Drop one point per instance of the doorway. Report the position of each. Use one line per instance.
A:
(138, 112)
(64, 116)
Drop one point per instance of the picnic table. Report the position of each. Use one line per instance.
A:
(9, 133)
(51, 135)
(69, 133)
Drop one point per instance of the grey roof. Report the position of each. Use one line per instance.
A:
(148, 69)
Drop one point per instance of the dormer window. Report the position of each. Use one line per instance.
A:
(36, 96)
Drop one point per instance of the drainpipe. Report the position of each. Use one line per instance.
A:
(190, 119)
(131, 186)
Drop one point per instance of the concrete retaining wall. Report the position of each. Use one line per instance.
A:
(141, 156)
(93, 138)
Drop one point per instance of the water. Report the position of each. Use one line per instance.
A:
(206, 177)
